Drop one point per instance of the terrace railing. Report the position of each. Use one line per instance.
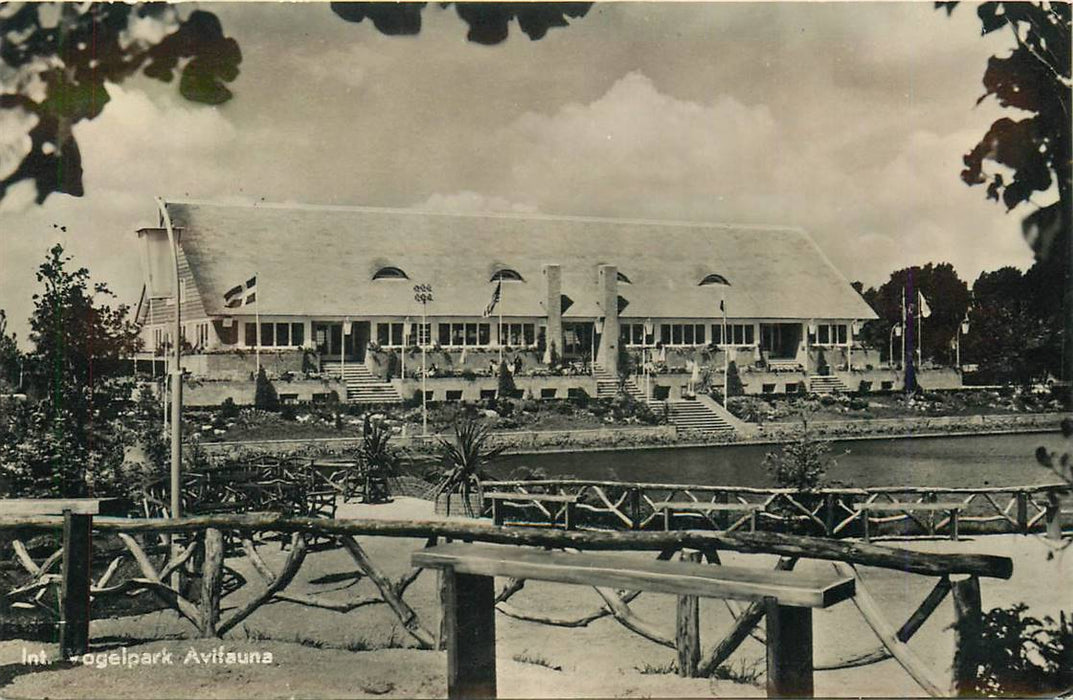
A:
(831, 512)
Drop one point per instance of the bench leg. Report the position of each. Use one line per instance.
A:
(687, 628)
(497, 512)
(74, 621)
(569, 516)
(954, 524)
(864, 520)
(667, 519)
(789, 651)
(469, 616)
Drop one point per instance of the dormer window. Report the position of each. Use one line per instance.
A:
(508, 275)
(714, 279)
(624, 279)
(390, 273)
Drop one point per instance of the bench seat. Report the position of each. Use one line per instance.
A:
(568, 502)
(670, 507)
(952, 507)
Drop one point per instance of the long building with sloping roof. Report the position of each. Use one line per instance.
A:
(338, 280)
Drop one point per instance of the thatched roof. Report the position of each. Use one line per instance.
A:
(320, 260)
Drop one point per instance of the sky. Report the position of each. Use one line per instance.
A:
(847, 119)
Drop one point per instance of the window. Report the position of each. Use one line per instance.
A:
(465, 334)
(681, 333)
(251, 335)
(714, 279)
(420, 334)
(389, 334)
(517, 334)
(623, 279)
(298, 334)
(507, 274)
(737, 334)
(831, 334)
(634, 334)
(268, 335)
(390, 273)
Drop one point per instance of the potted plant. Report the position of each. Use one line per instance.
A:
(463, 461)
(379, 460)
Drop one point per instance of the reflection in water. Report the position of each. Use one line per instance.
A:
(972, 461)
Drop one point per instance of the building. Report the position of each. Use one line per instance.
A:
(330, 290)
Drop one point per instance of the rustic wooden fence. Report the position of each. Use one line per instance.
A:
(201, 550)
(832, 512)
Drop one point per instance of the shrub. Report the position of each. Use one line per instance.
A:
(265, 397)
(506, 381)
(392, 365)
(734, 386)
(865, 387)
(801, 464)
(287, 412)
(1022, 656)
(228, 409)
(822, 368)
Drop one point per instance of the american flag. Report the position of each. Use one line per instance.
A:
(495, 300)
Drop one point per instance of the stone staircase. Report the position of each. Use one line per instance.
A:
(693, 416)
(361, 385)
(607, 385)
(819, 384)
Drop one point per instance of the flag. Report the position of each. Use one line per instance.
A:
(495, 300)
(923, 309)
(241, 294)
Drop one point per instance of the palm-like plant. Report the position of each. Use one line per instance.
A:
(380, 461)
(463, 461)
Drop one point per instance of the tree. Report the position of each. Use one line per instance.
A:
(57, 57)
(1034, 152)
(1009, 338)
(947, 297)
(734, 386)
(67, 440)
(10, 357)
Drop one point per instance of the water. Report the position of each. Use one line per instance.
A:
(970, 461)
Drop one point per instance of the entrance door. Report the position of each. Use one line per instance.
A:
(577, 341)
(362, 335)
(779, 341)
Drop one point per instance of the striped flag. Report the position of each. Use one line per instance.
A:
(241, 294)
(495, 299)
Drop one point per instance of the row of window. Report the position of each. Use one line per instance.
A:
(276, 335)
(455, 334)
(736, 334)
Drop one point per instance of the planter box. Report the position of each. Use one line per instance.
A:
(458, 505)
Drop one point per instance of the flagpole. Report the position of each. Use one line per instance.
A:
(905, 342)
(920, 356)
(726, 353)
(500, 304)
(257, 320)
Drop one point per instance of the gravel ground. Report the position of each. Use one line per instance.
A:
(365, 652)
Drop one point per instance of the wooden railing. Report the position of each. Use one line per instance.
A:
(833, 512)
(200, 548)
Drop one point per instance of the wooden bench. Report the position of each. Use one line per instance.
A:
(469, 603)
(668, 508)
(498, 498)
(77, 558)
(954, 508)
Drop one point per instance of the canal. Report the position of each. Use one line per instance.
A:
(970, 461)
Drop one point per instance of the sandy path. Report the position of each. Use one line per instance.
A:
(602, 659)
